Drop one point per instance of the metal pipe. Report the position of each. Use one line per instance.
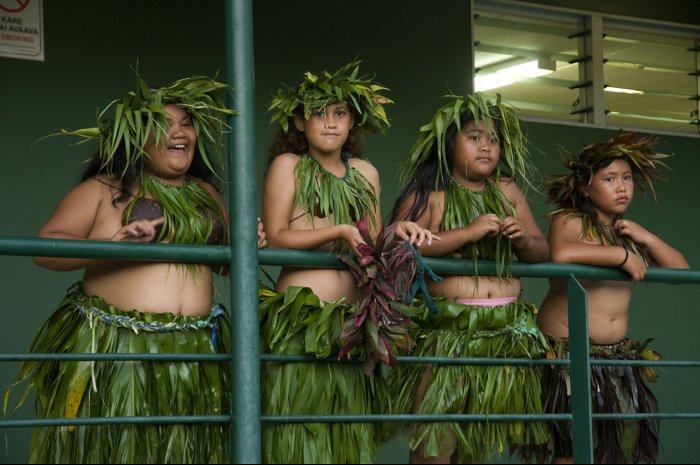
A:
(245, 427)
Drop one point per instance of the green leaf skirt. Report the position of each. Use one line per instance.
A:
(614, 389)
(458, 330)
(84, 389)
(297, 322)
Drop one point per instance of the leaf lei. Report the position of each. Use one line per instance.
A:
(384, 270)
(187, 210)
(342, 200)
(463, 206)
(345, 85)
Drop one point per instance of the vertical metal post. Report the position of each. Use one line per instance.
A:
(591, 70)
(695, 114)
(581, 409)
(244, 255)
(472, 45)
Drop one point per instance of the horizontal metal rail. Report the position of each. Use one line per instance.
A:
(86, 356)
(363, 418)
(405, 359)
(464, 417)
(161, 420)
(274, 358)
(210, 254)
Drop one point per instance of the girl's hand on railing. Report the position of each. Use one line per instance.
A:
(635, 266)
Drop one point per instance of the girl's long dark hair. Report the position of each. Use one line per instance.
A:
(426, 179)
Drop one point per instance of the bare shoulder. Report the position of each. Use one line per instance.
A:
(567, 226)
(208, 186)
(436, 200)
(99, 187)
(511, 189)
(86, 208)
(364, 166)
(562, 220)
(281, 175)
(284, 162)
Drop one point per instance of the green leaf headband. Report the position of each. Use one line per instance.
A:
(317, 92)
(142, 111)
(639, 152)
(515, 157)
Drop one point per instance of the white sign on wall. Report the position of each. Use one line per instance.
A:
(22, 29)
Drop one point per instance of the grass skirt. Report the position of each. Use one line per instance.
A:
(460, 330)
(82, 389)
(297, 322)
(614, 389)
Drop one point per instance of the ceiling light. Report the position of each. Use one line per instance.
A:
(529, 69)
(512, 74)
(483, 82)
(622, 90)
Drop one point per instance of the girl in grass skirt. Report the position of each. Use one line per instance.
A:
(149, 181)
(320, 193)
(459, 182)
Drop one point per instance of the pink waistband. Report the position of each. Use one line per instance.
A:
(487, 302)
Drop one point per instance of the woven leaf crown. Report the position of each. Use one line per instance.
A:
(141, 112)
(346, 85)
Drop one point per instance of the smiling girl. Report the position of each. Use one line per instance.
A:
(588, 228)
(149, 181)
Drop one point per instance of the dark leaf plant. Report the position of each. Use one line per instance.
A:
(384, 271)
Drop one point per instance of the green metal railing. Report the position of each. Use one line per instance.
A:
(581, 405)
(246, 427)
(243, 259)
(241, 255)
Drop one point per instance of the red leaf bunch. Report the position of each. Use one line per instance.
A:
(383, 270)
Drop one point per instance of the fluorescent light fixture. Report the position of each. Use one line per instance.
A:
(491, 81)
(622, 90)
(529, 69)
(512, 74)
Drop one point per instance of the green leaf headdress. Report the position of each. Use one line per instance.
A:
(142, 111)
(345, 85)
(515, 157)
(639, 152)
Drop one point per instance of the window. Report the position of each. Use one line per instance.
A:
(651, 77)
(558, 65)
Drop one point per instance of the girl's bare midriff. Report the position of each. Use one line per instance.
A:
(328, 284)
(467, 287)
(149, 287)
(608, 302)
(152, 287)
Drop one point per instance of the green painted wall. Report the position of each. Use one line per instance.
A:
(417, 48)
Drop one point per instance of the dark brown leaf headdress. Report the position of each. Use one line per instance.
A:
(639, 152)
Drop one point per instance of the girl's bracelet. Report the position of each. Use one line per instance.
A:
(627, 255)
